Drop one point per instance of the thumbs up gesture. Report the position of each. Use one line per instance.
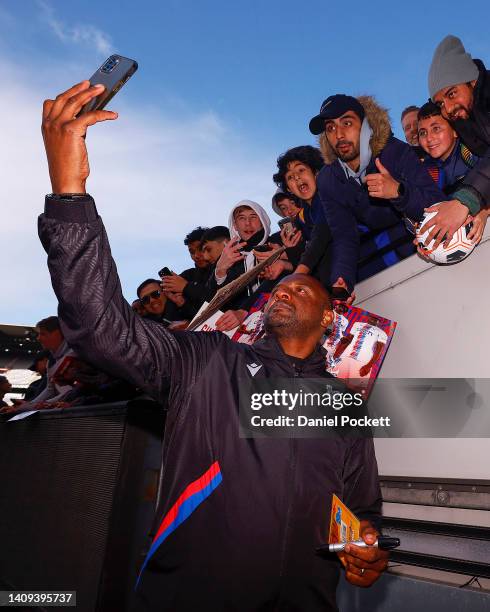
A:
(382, 184)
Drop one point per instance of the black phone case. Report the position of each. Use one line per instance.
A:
(113, 73)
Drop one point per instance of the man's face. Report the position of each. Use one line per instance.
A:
(211, 251)
(298, 306)
(437, 137)
(42, 366)
(5, 387)
(344, 135)
(49, 340)
(409, 125)
(153, 298)
(196, 254)
(288, 207)
(300, 180)
(247, 222)
(456, 101)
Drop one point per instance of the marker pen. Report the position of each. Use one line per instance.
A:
(383, 543)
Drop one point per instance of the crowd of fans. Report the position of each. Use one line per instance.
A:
(348, 210)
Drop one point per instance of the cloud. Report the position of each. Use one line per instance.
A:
(85, 34)
(154, 175)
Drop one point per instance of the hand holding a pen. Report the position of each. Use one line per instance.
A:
(363, 566)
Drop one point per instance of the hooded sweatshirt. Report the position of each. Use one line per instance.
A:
(257, 239)
(237, 269)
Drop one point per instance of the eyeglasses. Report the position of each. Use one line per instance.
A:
(154, 294)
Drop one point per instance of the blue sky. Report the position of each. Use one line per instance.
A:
(222, 89)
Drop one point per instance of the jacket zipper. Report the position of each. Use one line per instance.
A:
(292, 482)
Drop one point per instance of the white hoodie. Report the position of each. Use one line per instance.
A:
(249, 260)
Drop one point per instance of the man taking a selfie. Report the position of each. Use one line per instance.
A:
(240, 518)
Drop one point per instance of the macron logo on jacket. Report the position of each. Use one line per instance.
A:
(253, 368)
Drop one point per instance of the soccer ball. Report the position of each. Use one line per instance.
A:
(459, 247)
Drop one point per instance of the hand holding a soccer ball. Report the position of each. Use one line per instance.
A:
(456, 246)
(451, 215)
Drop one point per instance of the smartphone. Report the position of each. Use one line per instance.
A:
(113, 73)
(165, 272)
(286, 224)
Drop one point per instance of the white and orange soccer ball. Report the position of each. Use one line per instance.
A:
(459, 247)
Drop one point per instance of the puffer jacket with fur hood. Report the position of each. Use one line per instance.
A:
(378, 222)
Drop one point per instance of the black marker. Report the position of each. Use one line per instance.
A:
(383, 543)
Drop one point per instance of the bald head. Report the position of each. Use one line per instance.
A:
(299, 307)
(321, 293)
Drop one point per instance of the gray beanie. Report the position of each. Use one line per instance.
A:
(450, 65)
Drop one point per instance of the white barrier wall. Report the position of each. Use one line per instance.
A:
(443, 315)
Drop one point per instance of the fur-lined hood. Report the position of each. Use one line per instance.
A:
(379, 122)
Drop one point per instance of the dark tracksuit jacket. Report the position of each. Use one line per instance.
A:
(238, 519)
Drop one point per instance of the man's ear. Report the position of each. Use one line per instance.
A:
(327, 318)
(473, 83)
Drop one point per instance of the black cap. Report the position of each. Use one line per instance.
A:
(332, 108)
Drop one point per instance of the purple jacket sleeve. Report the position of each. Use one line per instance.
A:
(96, 319)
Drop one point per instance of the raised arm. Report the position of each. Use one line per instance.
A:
(96, 320)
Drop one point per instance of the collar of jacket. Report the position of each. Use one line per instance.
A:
(269, 349)
(379, 122)
(370, 169)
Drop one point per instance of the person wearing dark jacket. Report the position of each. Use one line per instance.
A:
(39, 365)
(460, 86)
(192, 282)
(296, 173)
(239, 518)
(371, 183)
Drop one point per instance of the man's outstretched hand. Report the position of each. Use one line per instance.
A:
(64, 136)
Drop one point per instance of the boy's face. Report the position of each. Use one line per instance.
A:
(288, 207)
(211, 251)
(247, 222)
(300, 180)
(196, 253)
(436, 137)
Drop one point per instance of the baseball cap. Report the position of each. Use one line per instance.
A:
(332, 108)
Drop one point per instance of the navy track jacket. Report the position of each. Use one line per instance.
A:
(239, 519)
